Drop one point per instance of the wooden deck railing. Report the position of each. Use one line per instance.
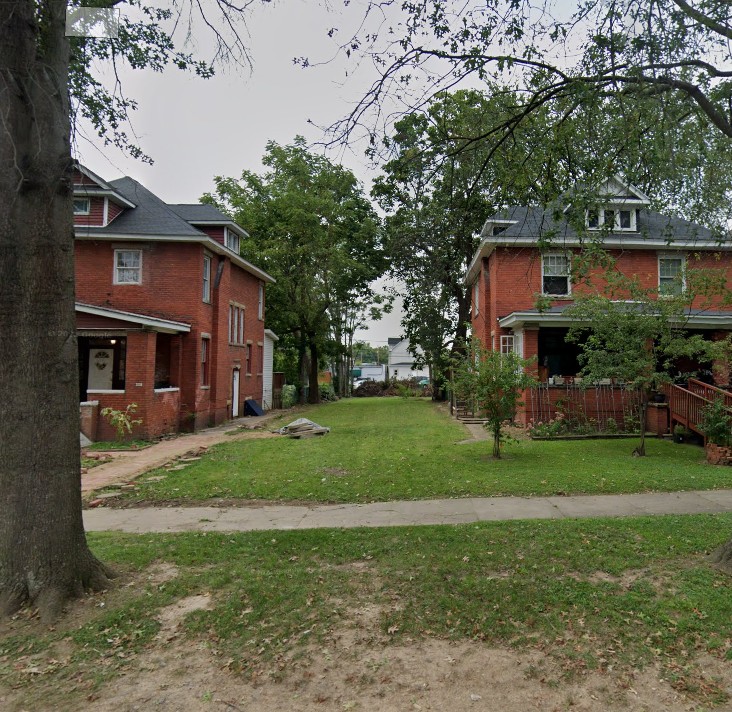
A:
(686, 405)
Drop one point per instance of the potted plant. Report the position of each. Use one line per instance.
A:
(717, 426)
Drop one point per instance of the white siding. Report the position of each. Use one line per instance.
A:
(269, 340)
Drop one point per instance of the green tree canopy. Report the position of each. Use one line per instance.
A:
(313, 230)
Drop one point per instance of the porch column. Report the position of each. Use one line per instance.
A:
(140, 372)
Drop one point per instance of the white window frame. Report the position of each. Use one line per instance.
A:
(232, 238)
(206, 286)
(568, 258)
(671, 280)
(508, 343)
(118, 267)
(616, 219)
(205, 361)
(87, 211)
(476, 297)
(260, 305)
(236, 324)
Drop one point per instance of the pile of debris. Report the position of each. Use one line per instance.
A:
(303, 428)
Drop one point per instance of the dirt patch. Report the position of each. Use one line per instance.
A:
(334, 471)
(429, 675)
(172, 616)
(363, 666)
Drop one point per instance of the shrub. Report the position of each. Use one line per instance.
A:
(122, 420)
(327, 392)
(717, 423)
(289, 396)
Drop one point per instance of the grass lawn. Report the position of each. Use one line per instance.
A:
(391, 448)
(594, 594)
(104, 445)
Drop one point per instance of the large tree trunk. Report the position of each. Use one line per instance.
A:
(302, 365)
(314, 389)
(723, 557)
(44, 558)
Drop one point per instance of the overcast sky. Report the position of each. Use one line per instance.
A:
(196, 129)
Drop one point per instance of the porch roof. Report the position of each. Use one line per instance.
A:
(164, 326)
(555, 317)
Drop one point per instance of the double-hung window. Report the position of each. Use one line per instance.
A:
(232, 240)
(555, 275)
(260, 305)
(476, 296)
(670, 274)
(127, 267)
(236, 324)
(206, 291)
(205, 347)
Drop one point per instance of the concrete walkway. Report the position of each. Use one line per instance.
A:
(388, 514)
(129, 464)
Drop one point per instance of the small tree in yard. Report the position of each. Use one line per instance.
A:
(494, 381)
(122, 420)
(635, 336)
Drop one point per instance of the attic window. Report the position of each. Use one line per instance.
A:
(498, 229)
(232, 240)
(81, 206)
(616, 220)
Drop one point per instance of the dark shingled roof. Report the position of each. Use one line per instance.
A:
(198, 212)
(536, 222)
(151, 216)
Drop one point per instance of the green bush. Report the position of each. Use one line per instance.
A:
(289, 396)
(327, 392)
(717, 423)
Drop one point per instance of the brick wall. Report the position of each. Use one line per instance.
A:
(172, 288)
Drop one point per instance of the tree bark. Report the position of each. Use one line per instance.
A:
(723, 557)
(302, 366)
(44, 557)
(497, 442)
(314, 389)
(640, 451)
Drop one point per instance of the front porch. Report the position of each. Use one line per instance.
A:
(129, 358)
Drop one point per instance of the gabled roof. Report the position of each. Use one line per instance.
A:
(152, 219)
(151, 215)
(100, 187)
(525, 226)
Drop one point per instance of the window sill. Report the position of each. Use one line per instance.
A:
(205, 388)
(563, 297)
(107, 392)
(169, 389)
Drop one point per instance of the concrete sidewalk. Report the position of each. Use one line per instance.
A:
(129, 464)
(404, 513)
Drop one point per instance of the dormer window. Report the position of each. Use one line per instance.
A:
(612, 219)
(232, 240)
(81, 206)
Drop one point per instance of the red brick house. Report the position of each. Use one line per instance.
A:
(169, 315)
(509, 272)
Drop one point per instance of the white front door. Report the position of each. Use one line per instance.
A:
(101, 365)
(235, 394)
